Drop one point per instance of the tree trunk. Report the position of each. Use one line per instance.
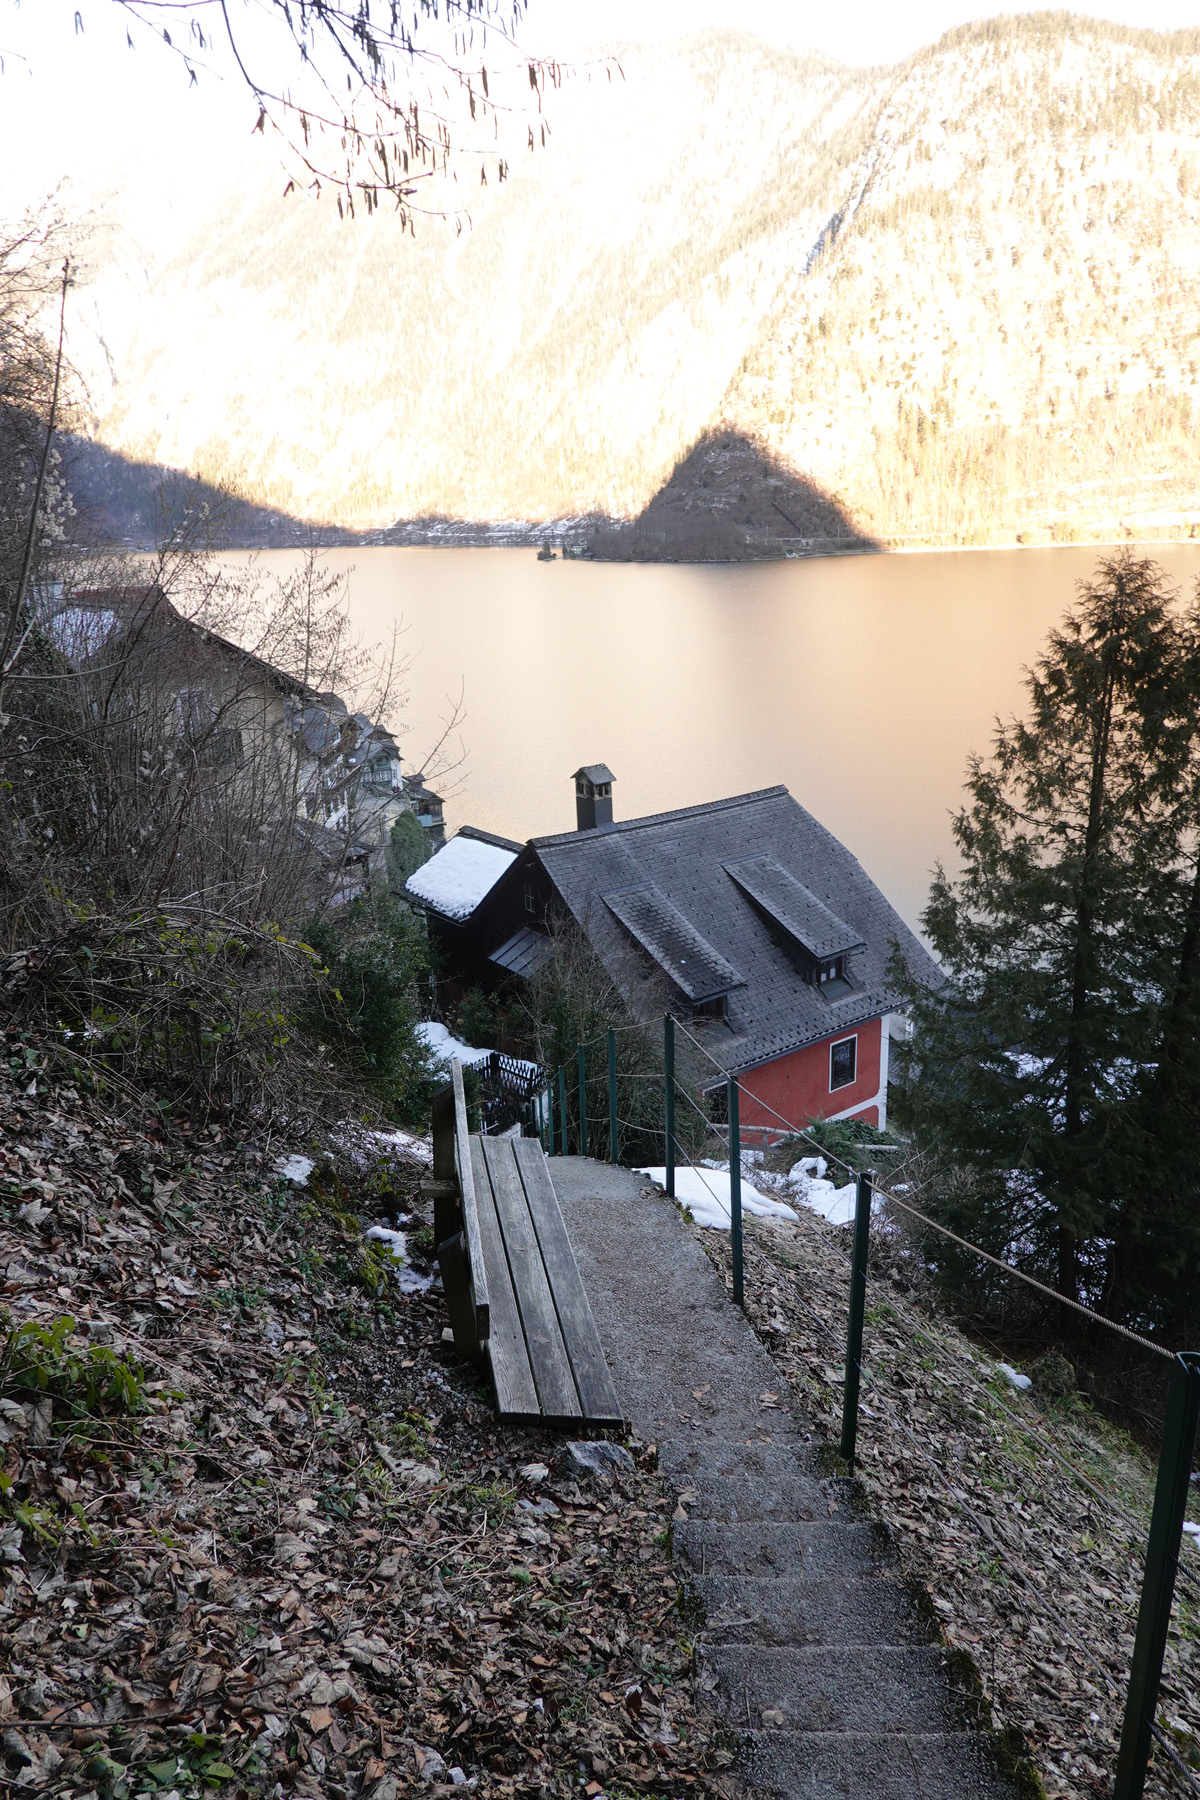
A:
(1177, 1030)
(1082, 965)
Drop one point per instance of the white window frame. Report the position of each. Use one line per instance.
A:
(836, 1044)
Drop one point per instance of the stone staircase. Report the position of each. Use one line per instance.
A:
(814, 1650)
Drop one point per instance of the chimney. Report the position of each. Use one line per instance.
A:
(593, 797)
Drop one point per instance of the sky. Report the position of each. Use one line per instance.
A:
(854, 31)
(97, 111)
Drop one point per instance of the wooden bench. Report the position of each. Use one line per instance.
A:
(511, 1282)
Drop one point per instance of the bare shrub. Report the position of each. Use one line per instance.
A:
(179, 801)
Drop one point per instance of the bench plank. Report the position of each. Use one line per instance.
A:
(543, 1335)
(593, 1380)
(512, 1377)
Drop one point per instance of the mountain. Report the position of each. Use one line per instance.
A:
(954, 299)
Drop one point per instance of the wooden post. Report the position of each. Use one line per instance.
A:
(614, 1143)
(443, 1188)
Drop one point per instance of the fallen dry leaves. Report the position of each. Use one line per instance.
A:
(309, 1560)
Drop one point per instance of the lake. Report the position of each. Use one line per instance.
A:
(862, 683)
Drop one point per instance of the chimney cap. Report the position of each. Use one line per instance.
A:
(596, 773)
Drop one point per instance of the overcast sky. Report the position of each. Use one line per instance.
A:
(854, 31)
(84, 103)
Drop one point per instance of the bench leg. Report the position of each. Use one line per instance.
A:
(460, 1299)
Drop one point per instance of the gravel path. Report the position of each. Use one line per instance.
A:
(813, 1649)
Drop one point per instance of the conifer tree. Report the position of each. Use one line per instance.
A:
(1155, 1252)
(1062, 937)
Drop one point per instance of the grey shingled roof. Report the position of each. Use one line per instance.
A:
(794, 908)
(692, 963)
(684, 855)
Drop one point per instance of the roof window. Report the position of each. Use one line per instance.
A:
(698, 970)
(812, 935)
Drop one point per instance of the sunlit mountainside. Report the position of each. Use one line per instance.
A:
(958, 296)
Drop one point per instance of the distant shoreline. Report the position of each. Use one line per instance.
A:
(342, 540)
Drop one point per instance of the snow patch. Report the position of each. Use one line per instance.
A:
(1014, 1377)
(295, 1168)
(807, 1182)
(407, 1280)
(420, 1149)
(442, 1046)
(396, 1241)
(457, 877)
(706, 1194)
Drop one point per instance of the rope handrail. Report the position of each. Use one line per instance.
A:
(903, 1312)
(1162, 1565)
(1134, 1337)
(1177, 1763)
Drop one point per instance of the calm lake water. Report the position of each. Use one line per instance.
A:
(862, 683)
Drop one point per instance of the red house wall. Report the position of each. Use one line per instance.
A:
(797, 1086)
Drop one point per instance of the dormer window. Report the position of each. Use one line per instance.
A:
(834, 969)
(530, 898)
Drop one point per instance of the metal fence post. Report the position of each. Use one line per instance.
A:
(1158, 1581)
(669, 1100)
(581, 1059)
(858, 1307)
(614, 1147)
(735, 1191)
(564, 1142)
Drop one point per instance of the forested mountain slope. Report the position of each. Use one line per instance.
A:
(958, 296)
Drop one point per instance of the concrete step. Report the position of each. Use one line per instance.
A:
(830, 1688)
(683, 1460)
(872, 1610)
(809, 1620)
(896, 1766)
(806, 1551)
(740, 1499)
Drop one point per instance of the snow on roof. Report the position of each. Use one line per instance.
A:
(455, 880)
(442, 1045)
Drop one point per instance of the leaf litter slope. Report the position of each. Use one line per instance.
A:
(1023, 1515)
(299, 1550)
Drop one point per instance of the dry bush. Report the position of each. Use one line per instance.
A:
(167, 748)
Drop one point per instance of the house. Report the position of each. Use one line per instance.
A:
(429, 810)
(337, 774)
(744, 917)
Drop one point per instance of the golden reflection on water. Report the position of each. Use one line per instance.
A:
(861, 683)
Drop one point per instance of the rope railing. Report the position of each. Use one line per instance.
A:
(906, 1206)
(1162, 1545)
